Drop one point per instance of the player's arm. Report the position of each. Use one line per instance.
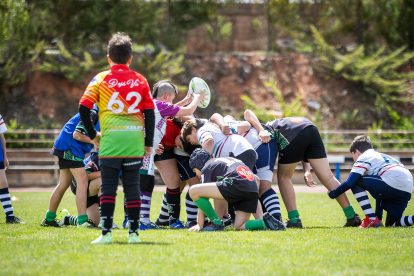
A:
(80, 132)
(217, 119)
(81, 137)
(94, 135)
(264, 135)
(307, 174)
(345, 186)
(189, 109)
(149, 119)
(185, 101)
(208, 145)
(200, 222)
(3, 145)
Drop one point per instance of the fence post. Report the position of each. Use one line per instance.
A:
(338, 171)
(379, 132)
(55, 171)
(325, 139)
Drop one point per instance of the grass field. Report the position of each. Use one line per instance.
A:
(323, 247)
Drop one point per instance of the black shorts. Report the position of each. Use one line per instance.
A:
(183, 164)
(91, 200)
(241, 200)
(167, 154)
(306, 145)
(2, 166)
(249, 158)
(70, 164)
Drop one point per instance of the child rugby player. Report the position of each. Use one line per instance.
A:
(385, 178)
(229, 179)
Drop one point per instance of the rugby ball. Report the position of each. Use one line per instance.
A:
(197, 86)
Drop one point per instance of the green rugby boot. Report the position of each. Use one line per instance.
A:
(89, 224)
(133, 238)
(62, 215)
(104, 239)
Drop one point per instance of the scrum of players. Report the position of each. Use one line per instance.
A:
(220, 158)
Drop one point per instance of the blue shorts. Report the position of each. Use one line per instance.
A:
(183, 164)
(2, 166)
(267, 154)
(392, 200)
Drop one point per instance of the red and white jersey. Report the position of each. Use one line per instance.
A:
(223, 144)
(389, 169)
(3, 127)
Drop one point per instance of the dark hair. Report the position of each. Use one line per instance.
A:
(157, 90)
(187, 128)
(188, 147)
(361, 143)
(120, 48)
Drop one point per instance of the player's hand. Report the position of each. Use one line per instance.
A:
(200, 96)
(148, 151)
(97, 139)
(187, 99)
(195, 228)
(309, 180)
(225, 129)
(160, 149)
(264, 136)
(6, 163)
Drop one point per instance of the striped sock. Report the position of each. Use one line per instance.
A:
(405, 221)
(164, 210)
(107, 209)
(71, 220)
(133, 207)
(271, 203)
(191, 208)
(363, 200)
(146, 206)
(5, 201)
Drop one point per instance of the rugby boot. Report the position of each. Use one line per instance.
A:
(213, 227)
(149, 226)
(52, 223)
(290, 224)
(61, 217)
(176, 225)
(104, 239)
(89, 224)
(353, 222)
(273, 223)
(162, 223)
(367, 222)
(190, 224)
(133, 238)
(13, 219)
(125, 224)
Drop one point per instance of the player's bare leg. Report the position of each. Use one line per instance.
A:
(259, 211)
(81, 178)
(3, 180)
(169, 173)
(59, 191)
(284, 179)
(93, 213)
(241, 219)
(324, 174)
(207, 190)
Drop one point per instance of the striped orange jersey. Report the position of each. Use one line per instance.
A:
(121, 96)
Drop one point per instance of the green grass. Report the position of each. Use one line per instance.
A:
(323, 247)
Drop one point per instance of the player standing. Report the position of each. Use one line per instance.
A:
(123, 97)
(4, 187)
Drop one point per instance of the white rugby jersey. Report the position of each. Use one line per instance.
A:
(252, 136)
(223, 144)
(3, 127)
(389, 169)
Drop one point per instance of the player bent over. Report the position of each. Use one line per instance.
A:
(385, 178)
(299, 140)
(123, 97)
(229, 179)
(4, 186)
(94, 186)
(71, 153)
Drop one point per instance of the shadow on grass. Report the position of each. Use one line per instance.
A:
(141, 243)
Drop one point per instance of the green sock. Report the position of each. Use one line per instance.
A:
(82, 219)
(205, 206)
(293, 216)
(50, 216)
(255, 224)
(349, 212)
